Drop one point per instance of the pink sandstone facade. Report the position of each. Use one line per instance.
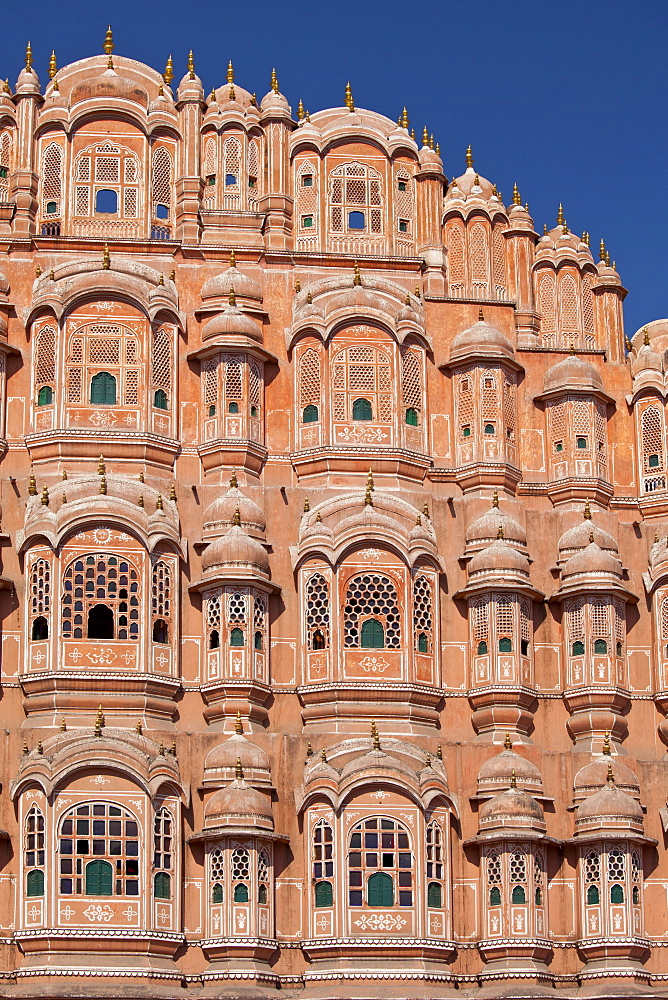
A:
(334, 563)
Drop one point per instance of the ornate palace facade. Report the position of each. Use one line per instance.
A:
(334, 562)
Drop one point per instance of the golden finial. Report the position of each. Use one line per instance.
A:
(428, 761)
(601, 250)
(375, 736)
(168, 75)
(172, 749)
(481, 315)
(103, 485)
(52, 276)
(298, 286)
(230, 72)
(28, 57)
(64, 474)
(606, 743)
(38, 270)
(425, 136)
(233, 258)
(439, 752)
(607, 258)
(172, 274)
(418, 519)
(403, 119)
(25, 748)
(413, 134)
(438, 153)
(565, 228)
(40, 748)
(53, 67)
(469, 157)
(646, 337)
(161, 280)
(172, 492)
(106, 260)
(99, 721)
(476, 181)
(656, 536)
(45, 497)
(357, 279)
(212, 96)
(323, 755)
(274, 81)
(236, 518)
(232, 93)
(585, 238)
(318, 517)
(63, 497)
(513, 779)
(63, 726)
(191, 65)
(309, 749)
(350, 104)
(140, 502)
(32, 485)
(516, 195)
(138, 728)
(158, 503)
(309, 299)
(545, 229)
(407, 300)
(101, 467)
(141, 476)
(232, 299)
(526, 207)
(591, 537)
(499, 534)
(495, 499)
(108, 46)
(508, 743)
(6, 88)
(425, 509)
(610, 778)
(308, 116)
(368, 501)
(300, 111)
(238, 725)
(560, 215)
(369, 480)
(307, 506)
(571, 348)
(234, 482)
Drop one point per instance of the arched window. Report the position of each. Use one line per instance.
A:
(310, 414)
(495, 896)
(107, 177)
(362, 409)
(505, 645)
(519, 895)
(257, 640)
(591, 864)
(435, 865)
(616, 893)
(163, 854)
(236, 637)
(600, 647)
(517, 872)
(578, 648)
(373, 635)
(162, 182)
(493, 876)
(490, 429)
(52, 170)
(263, 876)
(40, 629)
(107, 585)
(33, 851)
(372, 595)
(423, 643)
(40, 599)
(324, 895)
(482, 648)
(233, 407)
(214, 639)
(106, 202)
(422, 614)
(162, 885)
(45, 365)
(310, 386)
(434, 895)
(376, 843)
(108, 835)
(103, 389)
(160, 631)
(217, 893)
(593, 898)
(160, 399)
(45, 396)
(355, 200)
(216, 875)
(161, 600)
(240, 870)
(323, 863)
(411, 417)
(317, 612)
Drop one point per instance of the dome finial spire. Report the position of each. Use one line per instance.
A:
(508, 743)
(403, 119)
(230, 72)
(236, 519)
(238, 770)
(106, 259)
(481, 315)
(586, 513)
(232, 299)
(610, 778)
(357, 277)
(238, 725)
(601, 250)
(513, 779)
(495, 499)
(168, 75)
(108, 46)
(350, 104)
(516, 195)
(375, 735)
(425, 136)
(191, 65)
(53, 66)
(300, 111)
(500, 535)
(469, 157)
(274, 81)
(606, 743)
(560, 215)
(646, 337)
(28, 57)
(233, 479)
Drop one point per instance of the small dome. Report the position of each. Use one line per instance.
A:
(239, 805)
(593, 777)
(377, 761)
(514, 809)
(646, 360)
(608, 808)
(497, 773)
(574, 373)
(190, 87)
(481, 339)
(243, 98)
(471, 184)
(274, 100)
(499, 558)
(235, 548)
(219, 515)
(109, 85)
(243, 285)
(234, 750)
(485, 529)
(579, 537)
(420, 533)
(592, 560)
(232, 323)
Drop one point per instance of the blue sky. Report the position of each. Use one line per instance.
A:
(568, 98)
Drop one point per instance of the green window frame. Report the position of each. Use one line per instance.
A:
(380, 890)
(99, 878)
(241, 892)
(505, 645)
(482, 648)
(423, 643)
(495, 896)
(600, 647)
(324, 894)
(362, 409)
(103, 389)
(519, 895)
(310, 414)
(373, 634)
(217, 893)
(593, 896)
(162, 886)
(45, 396)
(412, 416)
(160, 400)
(236, 637)
(435, 895)
(577, 648)
(616, 893)
(35, 883)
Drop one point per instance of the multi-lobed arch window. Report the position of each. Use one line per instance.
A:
(356, 200)
(163, 854)
(362, 385)
(52, 189)
(310, 386)
(610, 877)
(652, 449)
(232, 178)
(514, 876)
(380, 864)
(100, 598)
(232, 391)
(103, 366)
(307, 204)
(372, 619)
(34, 852)
(595, 626)
(502, 623)
(99, 851)
(317, 613)
(44, 366)
(486, 414)
(40, 600)
(577, 432)
(422, 615)
(161, 193)
(566, 304)
(161, 601)
(323, 863)
(107, 178)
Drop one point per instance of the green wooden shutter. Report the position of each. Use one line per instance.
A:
(241, 892)
(373, 636)
(162, 886)
(103, 389)
(411, 417)
(99, 878)
(310, 414)
(217, 893)
(35, 883)
(380, 890)
(434, 894)
(236, 637)
(519, 895)
(160, 399)
(323, 894)
(45, 396)
(362, 410)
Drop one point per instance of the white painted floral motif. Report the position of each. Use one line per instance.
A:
(97, 912)
(374, 664)
(102, 418)
(380, 922)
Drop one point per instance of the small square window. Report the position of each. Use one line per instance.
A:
(356, 220)
(307, 222)
(252, 181)
(307, 180)
(230, 180)
(581, 442)
(402, 186)
(559, 446)
(466, 432)
(403, 226)
(211, 180)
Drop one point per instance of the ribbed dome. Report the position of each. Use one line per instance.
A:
(609, 808)
(244, 286)
(592, 560)
(579, 537)
(497, 772)
(499, 557)
(235, 548)
(241, 97)
(376, 760)
(471, 184)
(485, 529)
(237, 749)
(420, 533)
(645, 360)
(593, 777)
(514, 809)
(109, 85)
(232, 322)
(239, 805)
(572, 372)
(219, 515)
(481, 339)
